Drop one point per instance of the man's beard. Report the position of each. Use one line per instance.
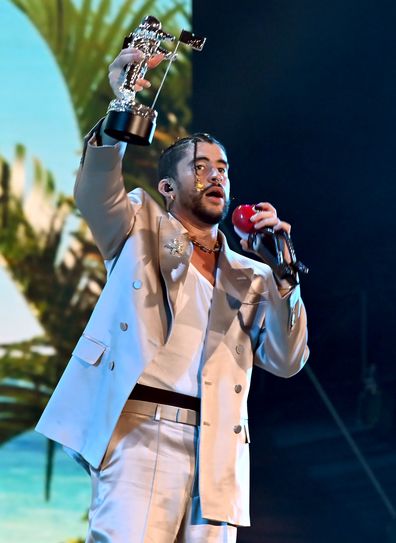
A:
(195, 202)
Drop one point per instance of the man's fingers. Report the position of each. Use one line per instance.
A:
(155, 60)
(283, 225)
(263, 219)
(265, 206)
(270, 222)
(142, 84)
(259, 215)
(273, 222)
(127, 56)
(265, 216)
(130, 56)
(116, 68)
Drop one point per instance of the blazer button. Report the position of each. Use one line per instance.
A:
(239, 349)
(137, 284)
(238, 388)
(111, 365)
(238, 429)
(124, 326)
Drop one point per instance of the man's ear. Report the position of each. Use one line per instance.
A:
(166, 187)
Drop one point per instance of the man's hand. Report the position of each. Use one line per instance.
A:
(267, 217)
(130, 56)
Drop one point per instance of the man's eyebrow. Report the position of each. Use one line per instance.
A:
(206, 159)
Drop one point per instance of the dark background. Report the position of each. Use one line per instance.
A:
(302, 94)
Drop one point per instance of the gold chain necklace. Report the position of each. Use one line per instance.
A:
(215, 249)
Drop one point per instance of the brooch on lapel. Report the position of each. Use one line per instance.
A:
(176, 247)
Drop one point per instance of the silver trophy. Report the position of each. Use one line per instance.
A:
(128, 120)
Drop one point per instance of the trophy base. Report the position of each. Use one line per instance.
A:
(130, 127)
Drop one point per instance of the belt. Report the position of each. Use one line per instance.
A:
(166, 397)
(161, 411)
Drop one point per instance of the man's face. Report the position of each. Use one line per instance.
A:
(203, 188)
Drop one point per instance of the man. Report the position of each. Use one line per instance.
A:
(154, 399)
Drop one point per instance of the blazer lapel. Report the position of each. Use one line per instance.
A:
(175, 250)
(232, 285)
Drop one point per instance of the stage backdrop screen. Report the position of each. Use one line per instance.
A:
(54, 64)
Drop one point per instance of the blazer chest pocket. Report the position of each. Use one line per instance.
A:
(89, 350)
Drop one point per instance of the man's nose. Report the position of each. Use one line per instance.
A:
(216, 176)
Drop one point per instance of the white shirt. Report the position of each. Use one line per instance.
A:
(177, 365)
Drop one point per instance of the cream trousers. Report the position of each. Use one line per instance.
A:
(146, 489)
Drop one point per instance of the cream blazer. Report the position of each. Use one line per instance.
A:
(250, 323)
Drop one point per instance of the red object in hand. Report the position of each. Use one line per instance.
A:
(241, 218)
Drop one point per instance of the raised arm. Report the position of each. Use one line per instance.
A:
(99, 189)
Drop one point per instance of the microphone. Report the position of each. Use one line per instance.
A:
(241, 220)
(268, 245)
(243, 226)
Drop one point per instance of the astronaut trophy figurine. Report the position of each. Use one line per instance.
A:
(128, 120)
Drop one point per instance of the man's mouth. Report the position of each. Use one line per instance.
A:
(215, 194)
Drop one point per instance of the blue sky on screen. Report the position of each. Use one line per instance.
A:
(35, 109)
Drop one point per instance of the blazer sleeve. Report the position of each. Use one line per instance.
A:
(101, 197)
(282, 344)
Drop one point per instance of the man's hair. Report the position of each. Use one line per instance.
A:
(170, 157)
